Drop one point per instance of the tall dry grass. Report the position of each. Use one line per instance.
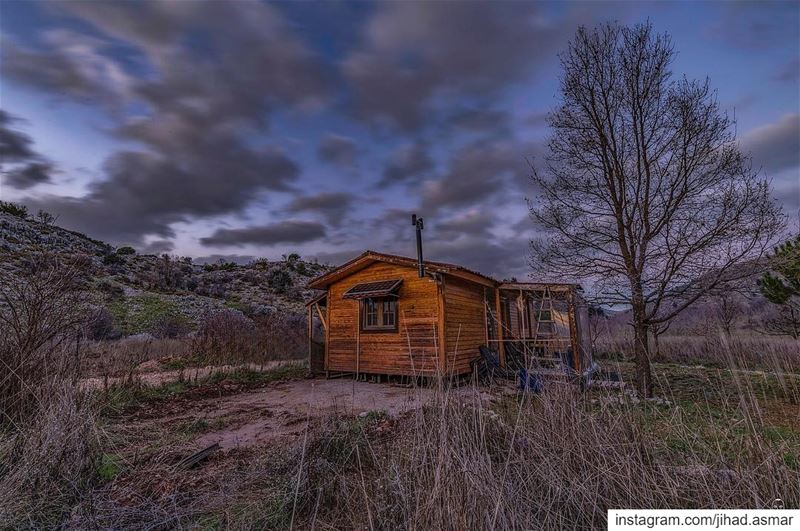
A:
(741, 350)
(48, 436)
(555, 461)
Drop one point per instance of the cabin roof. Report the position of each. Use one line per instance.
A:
(369, 257)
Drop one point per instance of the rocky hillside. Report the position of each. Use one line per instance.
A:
(140, 292)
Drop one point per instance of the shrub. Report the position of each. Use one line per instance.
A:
(126, 250)
(169, 326)
(102, 325)
(112, 259)
(43, 310)
(45, 218)
(279, 280)
(15, 209)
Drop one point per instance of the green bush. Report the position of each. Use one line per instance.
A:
(111, 259)
(15, 209)
(279, 280)
(127, 249)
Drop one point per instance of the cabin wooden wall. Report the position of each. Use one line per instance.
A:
(465, 322)
(411, 350)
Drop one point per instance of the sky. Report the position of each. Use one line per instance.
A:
(248, 129)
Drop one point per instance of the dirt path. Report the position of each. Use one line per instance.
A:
(283, 409)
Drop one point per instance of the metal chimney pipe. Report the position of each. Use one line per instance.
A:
(417, 222)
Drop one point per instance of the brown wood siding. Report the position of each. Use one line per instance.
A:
(412, 349)
(465, 320)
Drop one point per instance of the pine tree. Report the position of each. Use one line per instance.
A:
(781, 285)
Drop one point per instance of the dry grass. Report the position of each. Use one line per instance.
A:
(556, 461)
(716, 438)
(723, 435)
(741, 350)
(48, 465)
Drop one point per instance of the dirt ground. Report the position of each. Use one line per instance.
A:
(281, 410)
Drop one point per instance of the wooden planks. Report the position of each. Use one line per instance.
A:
(465, 323)
(409, 350)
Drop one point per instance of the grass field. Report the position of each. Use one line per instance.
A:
(457, 457)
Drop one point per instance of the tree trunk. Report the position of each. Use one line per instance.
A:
(641, 349)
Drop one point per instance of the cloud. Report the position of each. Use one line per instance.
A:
(207, 77)
(775, 146)
(20, 165)
(29, 175)
(146, 192)
(338, 150)
(407, 163)
(289, 231)
(477, 172)
(472, 223)
(481, 120)
(414, 53)
(333, 207)
(157, 247)
(15, 146)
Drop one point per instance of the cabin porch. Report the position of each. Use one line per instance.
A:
(540, 325)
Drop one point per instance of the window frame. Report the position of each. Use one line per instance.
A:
(379, 307)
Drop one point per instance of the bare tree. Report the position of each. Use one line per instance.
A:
(727, 308)
(645, 191)
(41, 312)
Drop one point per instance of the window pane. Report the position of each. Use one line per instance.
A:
(388, 312)
(370, 313)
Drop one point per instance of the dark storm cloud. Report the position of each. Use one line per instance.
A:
(415, 52)
(496, 257)
(215, 71)
(289, 231)
(332, 206)
(20, 165)
(339, 150)
(476, 172)
(28, 175)
(775, 146)
(15, 146)
(473, 223)
(407, 163)
(146, 192)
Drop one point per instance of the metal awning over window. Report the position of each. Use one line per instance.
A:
(383, 288)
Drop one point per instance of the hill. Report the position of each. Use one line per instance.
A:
(138, 292)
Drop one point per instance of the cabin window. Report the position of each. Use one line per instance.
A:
(379, 313)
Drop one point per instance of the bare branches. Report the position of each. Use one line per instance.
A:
(39, 313)
(645, 191)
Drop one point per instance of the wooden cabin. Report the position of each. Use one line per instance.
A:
(376, 315)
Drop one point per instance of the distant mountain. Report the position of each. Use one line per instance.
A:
(138, 290)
